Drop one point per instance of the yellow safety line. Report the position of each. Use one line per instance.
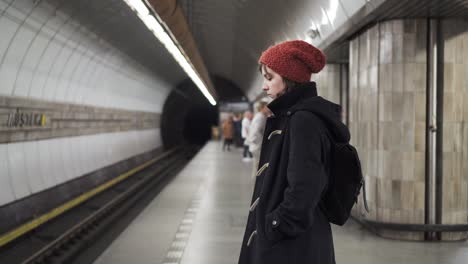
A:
(17, 232)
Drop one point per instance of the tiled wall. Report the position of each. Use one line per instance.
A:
(67, 120)
(328, 82)
(44, 56)
(455, 125)
(52, 57)
(29, 167)
(363, 124)
(387, 120)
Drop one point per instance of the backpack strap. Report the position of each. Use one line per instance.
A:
(364, 196)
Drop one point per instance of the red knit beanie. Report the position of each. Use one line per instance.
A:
(295, 60)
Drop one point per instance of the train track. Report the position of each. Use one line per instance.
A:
(80, 235)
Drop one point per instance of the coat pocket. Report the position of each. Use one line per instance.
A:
(272, 232)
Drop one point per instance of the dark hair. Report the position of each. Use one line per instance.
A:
(289, 83)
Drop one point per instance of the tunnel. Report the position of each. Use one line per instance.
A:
(188, 118)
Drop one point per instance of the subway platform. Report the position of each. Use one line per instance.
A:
(199, 218)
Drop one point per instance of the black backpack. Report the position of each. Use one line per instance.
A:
(345, 181)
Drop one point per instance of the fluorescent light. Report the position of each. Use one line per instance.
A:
(153, 24)
(139, 6)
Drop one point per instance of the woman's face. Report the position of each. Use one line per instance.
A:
(273, 83)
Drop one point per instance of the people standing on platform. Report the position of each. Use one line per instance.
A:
(228, 133)
(255, 135)
(238, 130)
(247, 156)
(286, 222)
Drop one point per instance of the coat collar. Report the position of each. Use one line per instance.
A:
(281, 104)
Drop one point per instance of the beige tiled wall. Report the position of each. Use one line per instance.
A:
(455, 125)
(387, 120)
(328, 82)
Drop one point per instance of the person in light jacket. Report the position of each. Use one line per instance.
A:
(255, 135)
(286, 223)
(246, 155)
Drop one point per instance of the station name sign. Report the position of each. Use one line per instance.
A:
(25, 119)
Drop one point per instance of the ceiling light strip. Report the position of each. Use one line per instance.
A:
(153, 23)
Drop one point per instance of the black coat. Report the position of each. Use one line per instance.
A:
(286, 224)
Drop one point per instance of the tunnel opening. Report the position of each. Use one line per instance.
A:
(188, 118)
(198, 124)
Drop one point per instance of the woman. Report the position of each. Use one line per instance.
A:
(286, 224)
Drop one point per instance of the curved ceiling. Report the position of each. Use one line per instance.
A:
(231, 34)
(115, 22)
(112, 21)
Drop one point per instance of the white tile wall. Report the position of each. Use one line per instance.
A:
(75, 155)
(41, 13)
(45, 160)
(67, 158)
(23, 5)
(6, 194)
(80, 155)
(30, 167)
(17, 169)
(62, 61)
(8, 28)
(56, 162)
(3, 5)
(48, 58)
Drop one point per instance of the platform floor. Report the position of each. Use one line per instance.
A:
(199, 218)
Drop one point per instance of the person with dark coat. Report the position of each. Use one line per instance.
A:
(237, 121)
(228, 132)
(286, 223)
